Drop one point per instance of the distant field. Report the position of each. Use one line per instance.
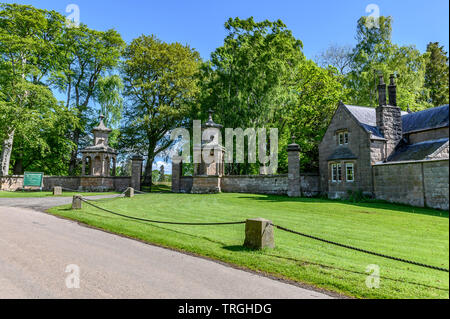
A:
(411, 233)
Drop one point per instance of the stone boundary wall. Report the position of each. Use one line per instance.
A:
(13, 183)
(258, 184)
(418, 183)
(255, 184)
(310, 184)
(64, 181)
(186, 184)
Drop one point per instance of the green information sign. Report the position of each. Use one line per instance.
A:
(33, 179)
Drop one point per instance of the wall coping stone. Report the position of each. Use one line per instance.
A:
(53, 176)
(256, 176)
(412, 162)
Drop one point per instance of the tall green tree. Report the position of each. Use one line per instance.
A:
(376, 55)
(161, 84)
(437, 74)
(109, 95)
(44, 146)
(249, 81)
(340, 57)
(319, 91)
(86, 57)
(28, 55)
(251, 70)
(260, 78)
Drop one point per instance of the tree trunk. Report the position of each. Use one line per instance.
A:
(6, 153)
(74, 154)
(18, 166)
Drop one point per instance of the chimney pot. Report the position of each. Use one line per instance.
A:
(392, 91)
(382, 92)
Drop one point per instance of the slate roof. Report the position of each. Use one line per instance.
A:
(427, 119)
(416, 152)
(367, 118)
(341, 153)
(418, 121)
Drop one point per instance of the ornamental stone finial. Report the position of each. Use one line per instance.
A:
(210, 122)
(210, 112)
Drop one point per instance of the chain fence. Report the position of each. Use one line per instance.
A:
(278, 227)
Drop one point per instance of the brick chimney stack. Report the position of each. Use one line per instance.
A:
(389, 117)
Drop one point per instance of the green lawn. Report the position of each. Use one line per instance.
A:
(4, 194)
(410, 233)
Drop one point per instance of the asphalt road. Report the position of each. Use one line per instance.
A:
(42, 203)
(36, 250)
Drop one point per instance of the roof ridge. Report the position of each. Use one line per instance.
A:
(443, 139)
(366, 107)
(428, 109)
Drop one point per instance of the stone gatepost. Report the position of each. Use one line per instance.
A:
(177, 172)
(76, 202)
(57, 191)
(129, 192)
(259, 234)
(136, 172)
(294, 170)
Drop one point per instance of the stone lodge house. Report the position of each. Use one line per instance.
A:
(386, 153)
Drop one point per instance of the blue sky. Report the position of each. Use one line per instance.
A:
(199, 23)
(318, 23)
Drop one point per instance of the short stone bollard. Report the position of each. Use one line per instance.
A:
(259, 234)
(76, 202)
(129, 192)
(57, 190)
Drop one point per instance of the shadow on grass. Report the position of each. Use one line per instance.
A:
(378, 204)
(305, 263)
(237, 248)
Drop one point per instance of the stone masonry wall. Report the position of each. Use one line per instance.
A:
(420, 183)
(11, 183)
(436, 184)
(310, 184)
(119, 183)
(64, 181)
(185, 184)
(255, 184)
(259, 184)
(269, 184)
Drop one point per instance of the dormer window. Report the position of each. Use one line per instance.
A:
(343, 138)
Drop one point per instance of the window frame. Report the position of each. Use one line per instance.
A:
(336, 172)
(333, 173)
(352, 165)
(345, 137)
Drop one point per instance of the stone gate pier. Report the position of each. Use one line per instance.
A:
(98, 172)
(209, 176)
